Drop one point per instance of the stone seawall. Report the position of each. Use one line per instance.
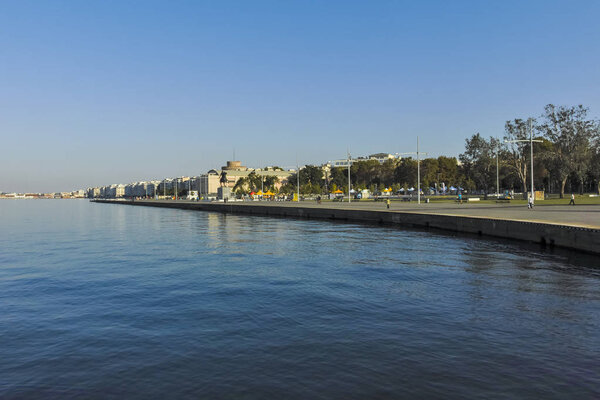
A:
(576, 238)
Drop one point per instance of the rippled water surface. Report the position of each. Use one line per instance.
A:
(114, 301)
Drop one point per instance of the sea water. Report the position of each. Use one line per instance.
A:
(114, 301)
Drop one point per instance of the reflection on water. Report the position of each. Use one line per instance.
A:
(117, 301)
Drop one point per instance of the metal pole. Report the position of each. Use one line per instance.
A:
(297, 181)
(348, 176)
(176, 179)
(418, 170)
(531, 145)
(531, 150)
(418, 174)
(165, 188)
(497, 171)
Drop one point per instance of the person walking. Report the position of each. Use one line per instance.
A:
(387, 202)
(572, 199)
(530, 202)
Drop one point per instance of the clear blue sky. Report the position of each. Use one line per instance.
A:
(94, 93)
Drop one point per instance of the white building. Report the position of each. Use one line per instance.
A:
(380, 157)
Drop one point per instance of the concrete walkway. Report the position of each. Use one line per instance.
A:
(586, 216)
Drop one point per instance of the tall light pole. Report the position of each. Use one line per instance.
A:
(418, 175)
(531, 155)
(531, 141)
(418, 170)
(297, 181)
(349, 176)
(497, 170)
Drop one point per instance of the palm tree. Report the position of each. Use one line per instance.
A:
(270, 181)
(240, 185)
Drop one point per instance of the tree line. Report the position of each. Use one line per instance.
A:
(566, 157)
(566, 153)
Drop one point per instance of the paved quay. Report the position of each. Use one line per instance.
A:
(574, 227)
(584, 216)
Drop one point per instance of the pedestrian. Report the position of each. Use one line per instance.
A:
(388, 203)
(460, 198)
(530, 202)
(572, 199)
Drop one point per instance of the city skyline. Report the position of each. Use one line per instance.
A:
(116, 92)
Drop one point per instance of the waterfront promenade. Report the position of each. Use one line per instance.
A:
(583, 216)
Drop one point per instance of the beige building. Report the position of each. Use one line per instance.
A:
(234, 170)
(209, 183)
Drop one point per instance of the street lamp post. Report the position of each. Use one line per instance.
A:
(418, 175)
(418, 171)
(349, 200)
(297, 182)
(531, 141)
(497, 170)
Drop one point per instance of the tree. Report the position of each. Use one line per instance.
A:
(240, 186)
(253, 183)
(406, 173)
(571, 133)
(429, 172)
(479, 161)
(386, 172)
(339, 178)
(311, 174)
(365, 172)
(517, 153)
(270, 181)
(448, 170)
(594, 168)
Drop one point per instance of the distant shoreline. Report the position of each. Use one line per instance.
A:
(42, 198)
